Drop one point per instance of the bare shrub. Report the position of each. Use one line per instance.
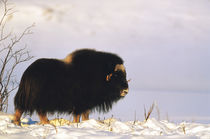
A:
(11, 55)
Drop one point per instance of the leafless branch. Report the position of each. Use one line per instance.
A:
(12, 56)
(3, 20)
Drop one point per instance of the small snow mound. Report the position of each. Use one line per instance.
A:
(120, 127)
(91, 124)
(153, 124)
(109, 121)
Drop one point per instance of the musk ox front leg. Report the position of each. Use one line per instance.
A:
(43, 118)
(76, 118)
(17, 116)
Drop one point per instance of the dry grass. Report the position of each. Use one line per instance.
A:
(147, 114)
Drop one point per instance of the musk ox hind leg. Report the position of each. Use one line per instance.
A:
(17, 116)
(43, 118)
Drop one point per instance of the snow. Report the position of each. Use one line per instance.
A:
(109, 128)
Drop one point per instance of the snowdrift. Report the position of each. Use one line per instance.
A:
(109, 128)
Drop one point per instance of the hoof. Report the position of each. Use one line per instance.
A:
(16, 122)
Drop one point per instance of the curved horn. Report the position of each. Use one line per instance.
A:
(119, 67)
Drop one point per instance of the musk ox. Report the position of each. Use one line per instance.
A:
(85, 80)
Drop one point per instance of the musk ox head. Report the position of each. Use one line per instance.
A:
(117, 79)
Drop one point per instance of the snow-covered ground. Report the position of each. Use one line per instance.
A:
(110, 129)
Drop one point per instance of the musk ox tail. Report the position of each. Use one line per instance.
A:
(23, 97)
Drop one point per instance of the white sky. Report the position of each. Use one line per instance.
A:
(165, 44)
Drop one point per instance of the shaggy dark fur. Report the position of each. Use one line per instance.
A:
(51, 85)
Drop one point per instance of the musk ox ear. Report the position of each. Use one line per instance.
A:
(108, 77)
(119, 67)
